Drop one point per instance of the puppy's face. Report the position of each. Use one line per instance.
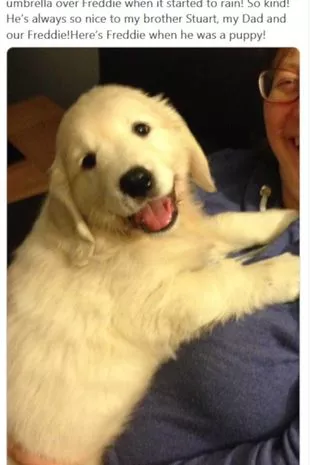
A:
(124, 153)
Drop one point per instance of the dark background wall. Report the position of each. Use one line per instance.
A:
(58, 73)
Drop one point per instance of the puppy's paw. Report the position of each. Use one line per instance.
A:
(283, 219)
(289, 216)
(283, 276)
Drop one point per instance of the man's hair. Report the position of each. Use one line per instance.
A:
(280, 55)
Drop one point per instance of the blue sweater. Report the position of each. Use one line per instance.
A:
(231, 397)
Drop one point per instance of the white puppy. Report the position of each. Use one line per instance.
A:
(120, 268)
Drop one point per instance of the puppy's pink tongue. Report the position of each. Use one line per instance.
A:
(156, 215)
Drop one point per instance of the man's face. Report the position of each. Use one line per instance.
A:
(282, 127)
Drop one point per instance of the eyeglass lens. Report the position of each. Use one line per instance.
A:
(279, 85)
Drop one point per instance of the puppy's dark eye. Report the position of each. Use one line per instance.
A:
(141, 129)
(89, 161)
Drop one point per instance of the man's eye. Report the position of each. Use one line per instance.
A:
(282, 83)
(285, 81)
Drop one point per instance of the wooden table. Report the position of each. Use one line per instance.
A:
(32, 127)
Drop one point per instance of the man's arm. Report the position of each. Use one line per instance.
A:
(282, 450)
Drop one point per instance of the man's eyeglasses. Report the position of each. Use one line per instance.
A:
(279, 85)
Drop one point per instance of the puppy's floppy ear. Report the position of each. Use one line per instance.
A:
(199, 167)
(75, 236)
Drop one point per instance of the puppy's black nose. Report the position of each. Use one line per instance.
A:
(137, 182)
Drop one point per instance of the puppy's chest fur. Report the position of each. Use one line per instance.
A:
(100, 331)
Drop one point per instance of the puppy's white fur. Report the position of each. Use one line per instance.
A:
(95, 306)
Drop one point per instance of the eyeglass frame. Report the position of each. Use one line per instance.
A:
(271, 100)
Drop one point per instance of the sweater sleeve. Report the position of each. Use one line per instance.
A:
(282, 450)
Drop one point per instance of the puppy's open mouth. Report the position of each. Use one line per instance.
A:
(157, 215)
